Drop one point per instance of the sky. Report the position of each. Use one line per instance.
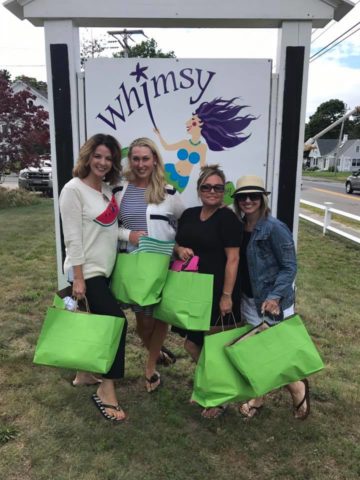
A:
(334, 75)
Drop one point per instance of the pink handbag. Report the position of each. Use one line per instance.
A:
(191, 265)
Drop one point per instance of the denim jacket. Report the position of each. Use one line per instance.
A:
(271, 261)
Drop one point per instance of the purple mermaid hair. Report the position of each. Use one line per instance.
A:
(221, 127)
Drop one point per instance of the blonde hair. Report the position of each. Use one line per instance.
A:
(155, 191)
(82, 166)
(208, 171)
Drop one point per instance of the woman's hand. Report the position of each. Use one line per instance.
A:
(184, 253)
(226, 305)
(79, 288)
(271, 306)
(135, 235)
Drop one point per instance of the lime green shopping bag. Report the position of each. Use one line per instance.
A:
(276, 356)
(78, 340)
(59, 296)
(186, 300)
(216, 379)
(139, 279)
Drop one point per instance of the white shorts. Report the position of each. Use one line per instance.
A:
(250, 315)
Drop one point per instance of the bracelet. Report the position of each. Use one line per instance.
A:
(227, 294)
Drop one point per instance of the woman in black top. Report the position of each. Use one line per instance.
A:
(214, 234)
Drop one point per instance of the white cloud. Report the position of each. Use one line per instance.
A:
(328, 80)
(23, 44)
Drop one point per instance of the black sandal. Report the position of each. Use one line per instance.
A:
(166, 357)
(305, 399)
(155, 377)
(101, 407)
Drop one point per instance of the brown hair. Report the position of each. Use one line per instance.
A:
(82, 167)
(208, 171)
(264, 207)
(155, 192)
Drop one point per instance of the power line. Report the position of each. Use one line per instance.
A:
(331, 24)
(332, 44)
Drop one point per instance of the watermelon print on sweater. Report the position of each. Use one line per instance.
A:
(109, 216)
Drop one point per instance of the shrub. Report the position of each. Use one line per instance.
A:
(17, 198)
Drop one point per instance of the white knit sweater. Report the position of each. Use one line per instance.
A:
(88, 242)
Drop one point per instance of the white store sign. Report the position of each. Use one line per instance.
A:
(205, 111)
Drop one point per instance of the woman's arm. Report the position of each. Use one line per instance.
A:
(203, 151)
(184, 253)
(79, 286)
(283, 248)
(231, 269)
(71, 216)
(131, 236)
(165, 145)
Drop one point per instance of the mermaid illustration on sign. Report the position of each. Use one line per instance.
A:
(218, 122)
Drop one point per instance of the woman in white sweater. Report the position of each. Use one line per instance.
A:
(89, 214)
(147, 207)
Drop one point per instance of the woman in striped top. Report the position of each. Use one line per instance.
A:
(147, 207)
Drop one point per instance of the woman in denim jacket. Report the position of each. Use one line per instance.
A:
(267, 271)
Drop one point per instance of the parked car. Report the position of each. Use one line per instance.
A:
(37, 179)
(353, 182)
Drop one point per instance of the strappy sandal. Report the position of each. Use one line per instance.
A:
(306, 399)
(221, 409)
(155, 377)
(102, 406)
(249, 411)
(166, 357)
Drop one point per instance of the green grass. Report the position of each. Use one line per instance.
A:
(334, 176)
(50, 430)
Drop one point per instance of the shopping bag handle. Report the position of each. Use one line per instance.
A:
(221, 317)
(85, 302)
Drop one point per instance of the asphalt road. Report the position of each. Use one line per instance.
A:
(10, 181)
(320, 191)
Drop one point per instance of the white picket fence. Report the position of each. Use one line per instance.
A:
(326, 223)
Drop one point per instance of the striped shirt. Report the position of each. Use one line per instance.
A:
(133, 208)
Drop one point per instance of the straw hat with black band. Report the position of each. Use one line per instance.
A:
(250, 184)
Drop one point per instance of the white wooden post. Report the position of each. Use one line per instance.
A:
(327, 216)
(62, 32)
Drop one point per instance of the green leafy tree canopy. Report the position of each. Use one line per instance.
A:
(146, 49)
(326, 114)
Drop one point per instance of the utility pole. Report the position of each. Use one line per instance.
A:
(123, 37)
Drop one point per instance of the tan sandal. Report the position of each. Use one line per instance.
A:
(218, 411)
(249, 411)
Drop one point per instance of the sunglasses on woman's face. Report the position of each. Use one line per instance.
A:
(251, 196)
(207, 187)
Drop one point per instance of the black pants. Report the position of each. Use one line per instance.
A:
(102, 302)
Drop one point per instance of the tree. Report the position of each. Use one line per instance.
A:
(24, 131)
(38, 85)
(326, 114)
(91, 48)
(145, 49)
